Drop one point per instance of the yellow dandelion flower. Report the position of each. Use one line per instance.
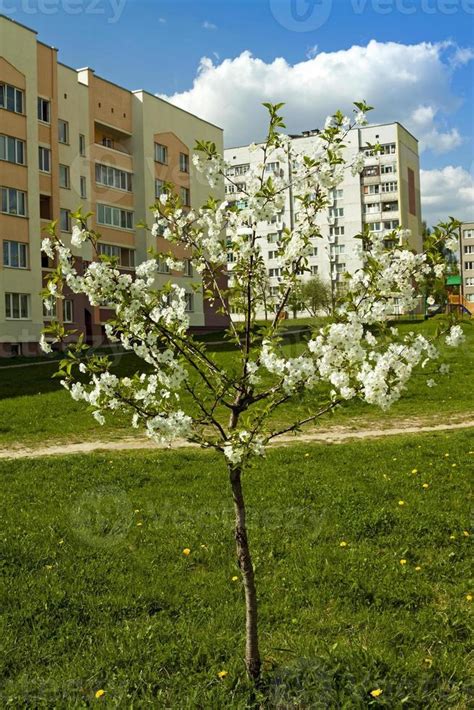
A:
(48, 566)
(306, 456)
(447, 455)
(401, 502)
(465, 533)
(139, 525)
(414, 470)
(343, 543)
(99, 693)
(203, 547)
(469, 597)
(454, 465)
(222, 674)
(418, 568)
(452, 537)
(137, 510)
(428, 662)
(186, 551)
(426, 485)
(375, 693)
(235, 578)
(403, 562)
(61, 542)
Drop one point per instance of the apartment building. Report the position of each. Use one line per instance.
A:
(385, 195)
(467, 265)
(70, 138)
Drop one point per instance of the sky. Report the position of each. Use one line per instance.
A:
(413, 60)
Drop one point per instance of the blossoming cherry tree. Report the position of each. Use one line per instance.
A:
(183, 390)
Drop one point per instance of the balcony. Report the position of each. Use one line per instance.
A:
(112, 138)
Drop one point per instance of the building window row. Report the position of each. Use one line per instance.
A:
(114, 217)
(113, 177)
(13, 150)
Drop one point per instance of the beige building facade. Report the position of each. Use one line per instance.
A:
(71, 139)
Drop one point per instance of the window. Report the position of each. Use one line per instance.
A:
(113, 177)
(163, 267)
(389, 186)
(64, 179)
(184, 163)
(469, 265)
(185, 196)
(11, 98)
(314, 252)
(336, 231)
(230, 257)
(124, 257)
(273, 238)
(376, 227)
(391, 224)
(63, 131)
(387, 169)
(273, 254)
(337, 194)
(107, 142)
(17, 306)
(68, 310)
(314, 269)
(370, 171)
(189, 298)
(44, 110)
(241, 169)
(82, 144)
(65, 220)
(470, 297)
(272, 167)
(12, 150)
(46, 211)
(188, 267)
(15, 255)
(371, 189)
(13, 201)
(44, 159)
(276, 218)
(274, 272)
(390, 207)
(159, 187)
(470, 281)
(468, 234)
(372, 208)
(340, 268)
(161, 153)
(83, 186)
(337, 249)
(114, 217)
(469, 249)
(336, 212)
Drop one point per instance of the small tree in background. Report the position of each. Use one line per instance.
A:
(185, 391)
(315, 296)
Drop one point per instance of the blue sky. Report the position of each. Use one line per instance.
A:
(419, 70)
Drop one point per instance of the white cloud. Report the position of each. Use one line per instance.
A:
(407, 83)
(447, 191)
(206, 25)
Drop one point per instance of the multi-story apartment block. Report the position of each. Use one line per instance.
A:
(467, 265)
(385, 195)
(69, 138)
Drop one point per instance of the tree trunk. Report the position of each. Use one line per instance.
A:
(252, 654)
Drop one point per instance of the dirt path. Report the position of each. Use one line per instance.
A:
(333, 435)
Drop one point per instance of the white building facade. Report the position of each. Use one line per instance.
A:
(385, 195)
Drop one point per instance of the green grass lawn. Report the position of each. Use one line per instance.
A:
(97, 593)
(34, 408)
